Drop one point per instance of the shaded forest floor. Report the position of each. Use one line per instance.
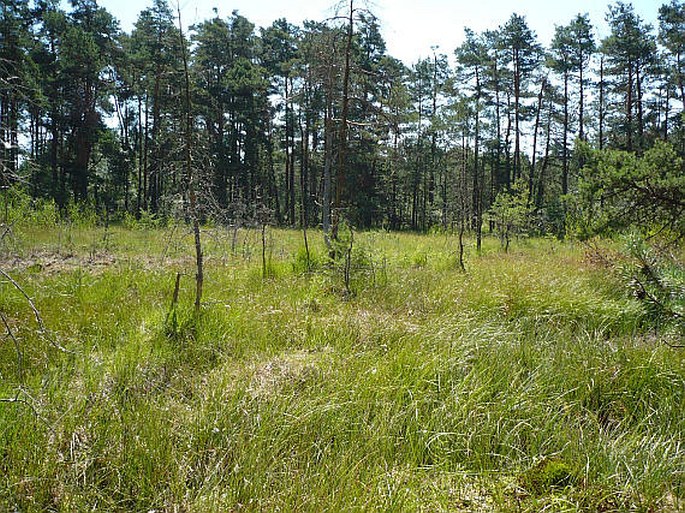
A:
(531, 382)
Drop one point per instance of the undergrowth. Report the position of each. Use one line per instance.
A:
(531, 382)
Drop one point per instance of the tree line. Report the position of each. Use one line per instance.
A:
(309, 125)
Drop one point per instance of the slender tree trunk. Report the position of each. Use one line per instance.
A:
(443, 190)
(463, 214)
(564, 149)
(601, 102)
(140, 150)
(517, 114)
(392, 173)
(291, 156)
(531, 177)
(581, 114)
(680, 75)
(477, 193)
(462, 230)
(190, 176)
(434, 136)
(4, 139)
(416, 180)
(667, 112)
(304, 144)
(146, 157)
(304, 169)
(496, 170)
(289, 171)
(271, 172)
(155, 157)
(326, 220)
(344, 114)
(540, 196)
(629, 108)
(54, 146)
(507, 149)
(640, 113)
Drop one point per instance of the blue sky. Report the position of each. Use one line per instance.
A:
(410, 27)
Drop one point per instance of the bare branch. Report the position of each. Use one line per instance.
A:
(36, 313)
(16, 400)
(17, 347)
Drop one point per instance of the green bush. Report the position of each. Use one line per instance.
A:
(18, 208)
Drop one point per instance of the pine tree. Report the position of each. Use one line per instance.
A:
(630, 50)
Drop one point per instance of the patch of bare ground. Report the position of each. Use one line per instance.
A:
(377, 324)
(290, 369)
(445, 491)
(50, 262)
(150, 263)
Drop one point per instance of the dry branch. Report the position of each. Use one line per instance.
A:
(36, 313)
(16, 400)
(17, 347)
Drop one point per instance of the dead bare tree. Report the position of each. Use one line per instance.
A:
(190, 176)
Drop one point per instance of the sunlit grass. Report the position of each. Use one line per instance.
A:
(531, 382)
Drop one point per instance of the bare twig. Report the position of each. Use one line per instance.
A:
(264, 266)
(16, 400)
(17, 346)
(674, 346)
(7, 229)
(348, 264)
(168, 242)
(36, 313)
(177, 286)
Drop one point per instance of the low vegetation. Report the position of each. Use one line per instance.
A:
(533, 381)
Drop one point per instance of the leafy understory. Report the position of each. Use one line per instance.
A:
(534, 381)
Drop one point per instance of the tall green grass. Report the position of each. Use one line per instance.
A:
(531, 382)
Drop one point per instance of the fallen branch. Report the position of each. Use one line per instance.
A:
(674, 346)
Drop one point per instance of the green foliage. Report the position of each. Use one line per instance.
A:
(81, 215)
(644, 196)
(267, 106)
(618, 189)
(512, 213)
(18, 208)
(657, 278)
(304, 262)
(145, 220)
(353, 264)
(419, 259)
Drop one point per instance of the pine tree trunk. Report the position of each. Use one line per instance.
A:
(531, 177)
(581, 114)
(564, 149)
(190, 175)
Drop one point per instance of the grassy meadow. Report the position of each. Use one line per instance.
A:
(532, 382)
